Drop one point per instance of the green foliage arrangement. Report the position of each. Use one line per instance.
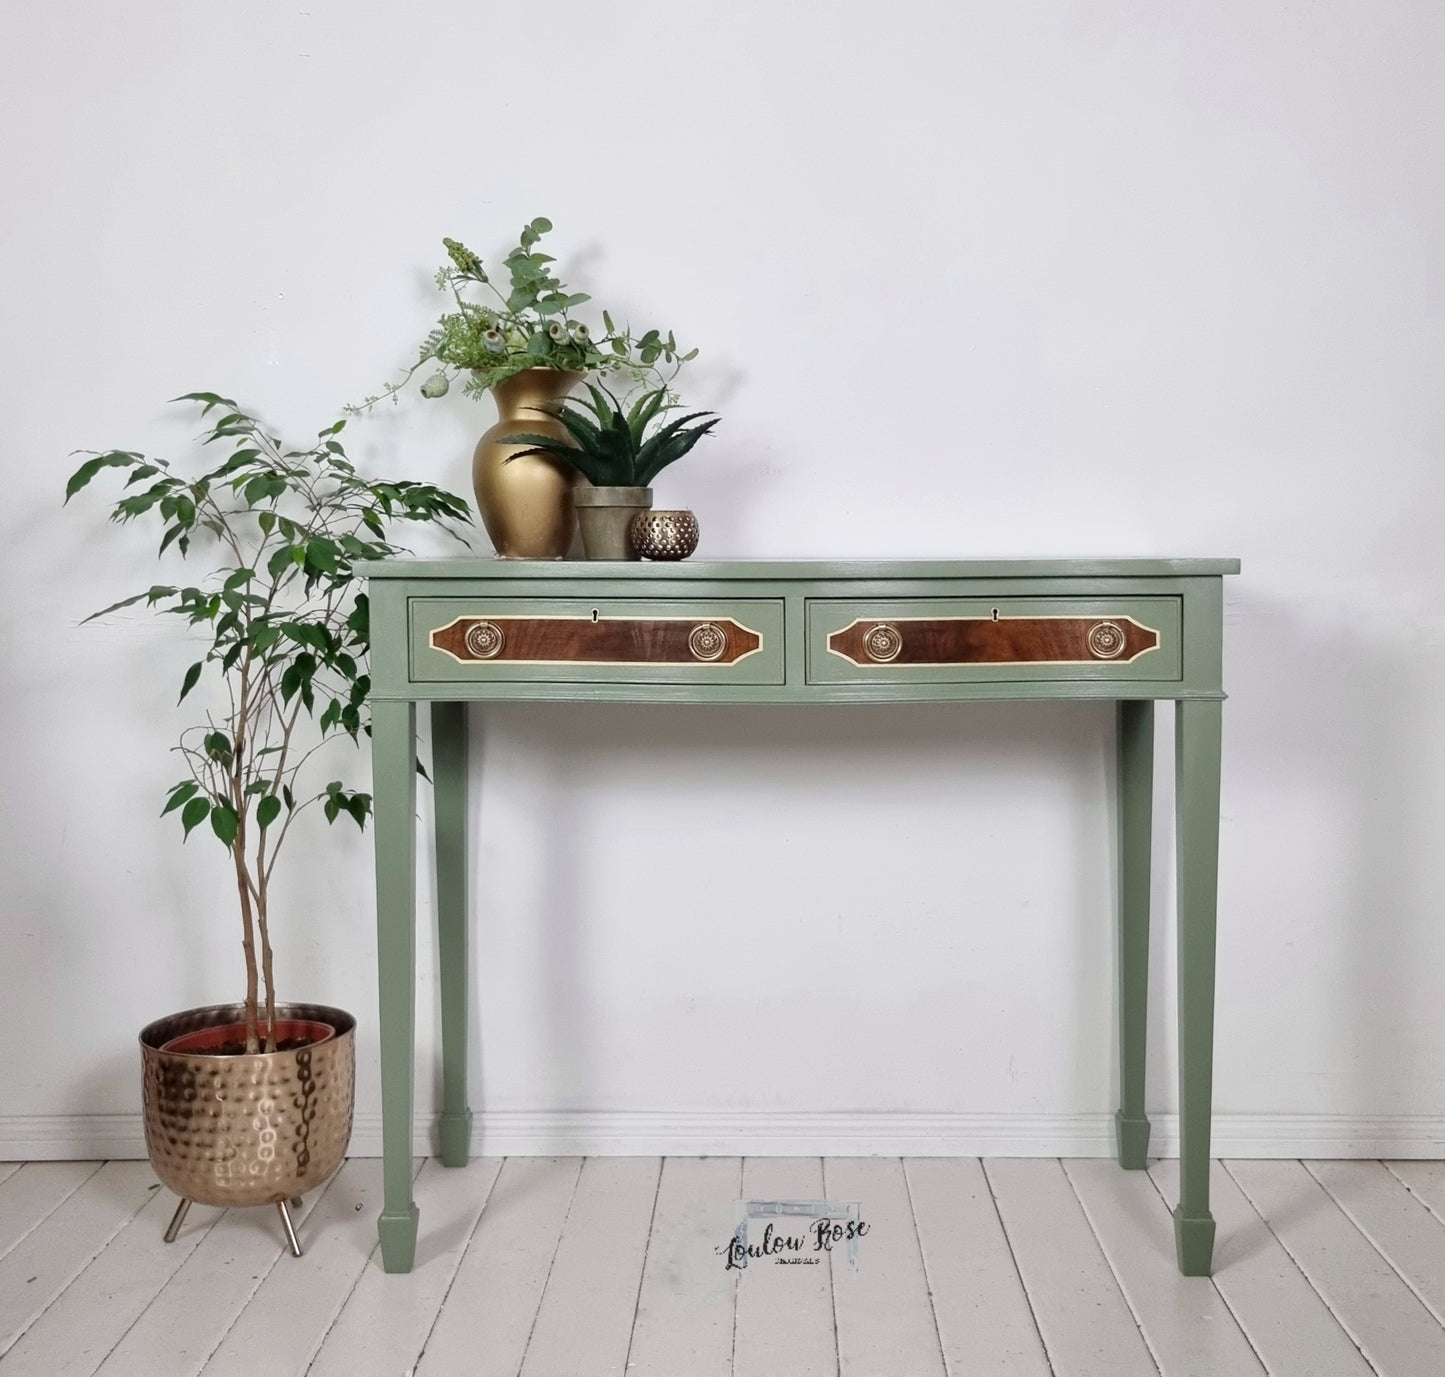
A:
(285, 629)
(529, 325)
(612, 448)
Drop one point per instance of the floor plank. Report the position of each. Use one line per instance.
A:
(686, 1304)
(1185, 1321)
(1394, 1330)
(180, 1329)
(290, 1313)
(1287, 1323)
(1425, 1181)
(383, 1326)
(32, 1193)
(8, 1169)
(1087, 1327)
(52, 1255)
(87, 1320)
(1400, 1226)
(985, 1322)
(882, 1310)
(484, 1325)
(584, 1323)
(784, 1317)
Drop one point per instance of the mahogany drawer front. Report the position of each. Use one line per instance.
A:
(958, 640)
(569, 640)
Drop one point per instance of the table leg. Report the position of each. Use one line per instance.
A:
(1196, 729)
(1136, 807)
(393, 757)
(449, 775)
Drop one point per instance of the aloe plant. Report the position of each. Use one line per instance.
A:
(612, 448)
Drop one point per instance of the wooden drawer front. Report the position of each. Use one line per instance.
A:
(608, 641)
(1011, 638)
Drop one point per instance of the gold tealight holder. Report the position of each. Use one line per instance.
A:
(664, 535)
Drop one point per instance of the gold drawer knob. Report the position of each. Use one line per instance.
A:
(485, 640)
(882, 643)
(707, 641)
(1106, 640)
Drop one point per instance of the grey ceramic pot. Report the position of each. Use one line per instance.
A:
(604, 515)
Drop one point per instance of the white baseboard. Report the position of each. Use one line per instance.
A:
(766, 1133)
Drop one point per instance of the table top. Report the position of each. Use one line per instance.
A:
(807, 570)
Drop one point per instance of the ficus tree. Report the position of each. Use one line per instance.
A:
(284, 628)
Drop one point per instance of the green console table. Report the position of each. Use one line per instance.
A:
(1132, 631)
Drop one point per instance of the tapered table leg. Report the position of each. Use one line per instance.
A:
(393, 755)
(1136, 806)
(449, 775)
(1197, 750)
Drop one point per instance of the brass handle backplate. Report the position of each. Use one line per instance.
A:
(707, 641)
(1106, 640)
(882, 643)
(485, 640)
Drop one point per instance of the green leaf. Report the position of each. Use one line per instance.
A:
(359, 806)
(541, 225)
(279, 561)
(114, 459)
(224, 822)
(183, 791)
(539, 346)
(209, 398)
(359, 622)
(195, 813)
(192, 675)
(267, 810)
(322, 553)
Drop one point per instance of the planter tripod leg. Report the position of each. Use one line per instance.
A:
(289, 1227)
(177, 1220)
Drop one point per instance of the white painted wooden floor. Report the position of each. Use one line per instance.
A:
(551, 1267)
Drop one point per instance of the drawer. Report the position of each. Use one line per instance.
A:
(959, 640)
(569, 640)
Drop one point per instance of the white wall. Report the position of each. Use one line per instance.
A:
(969, 279)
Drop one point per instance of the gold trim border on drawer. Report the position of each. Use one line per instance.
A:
(719, 642)
(935, 642)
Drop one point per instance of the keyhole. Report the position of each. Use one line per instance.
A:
(995, 614)
(594, 614)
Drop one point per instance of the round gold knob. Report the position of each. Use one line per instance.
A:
(1106, 640)
(707, 641)
(882, 643)
(485, 640)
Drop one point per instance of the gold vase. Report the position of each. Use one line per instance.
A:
(526, 503)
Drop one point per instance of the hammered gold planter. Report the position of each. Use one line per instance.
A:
(247, 1130)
